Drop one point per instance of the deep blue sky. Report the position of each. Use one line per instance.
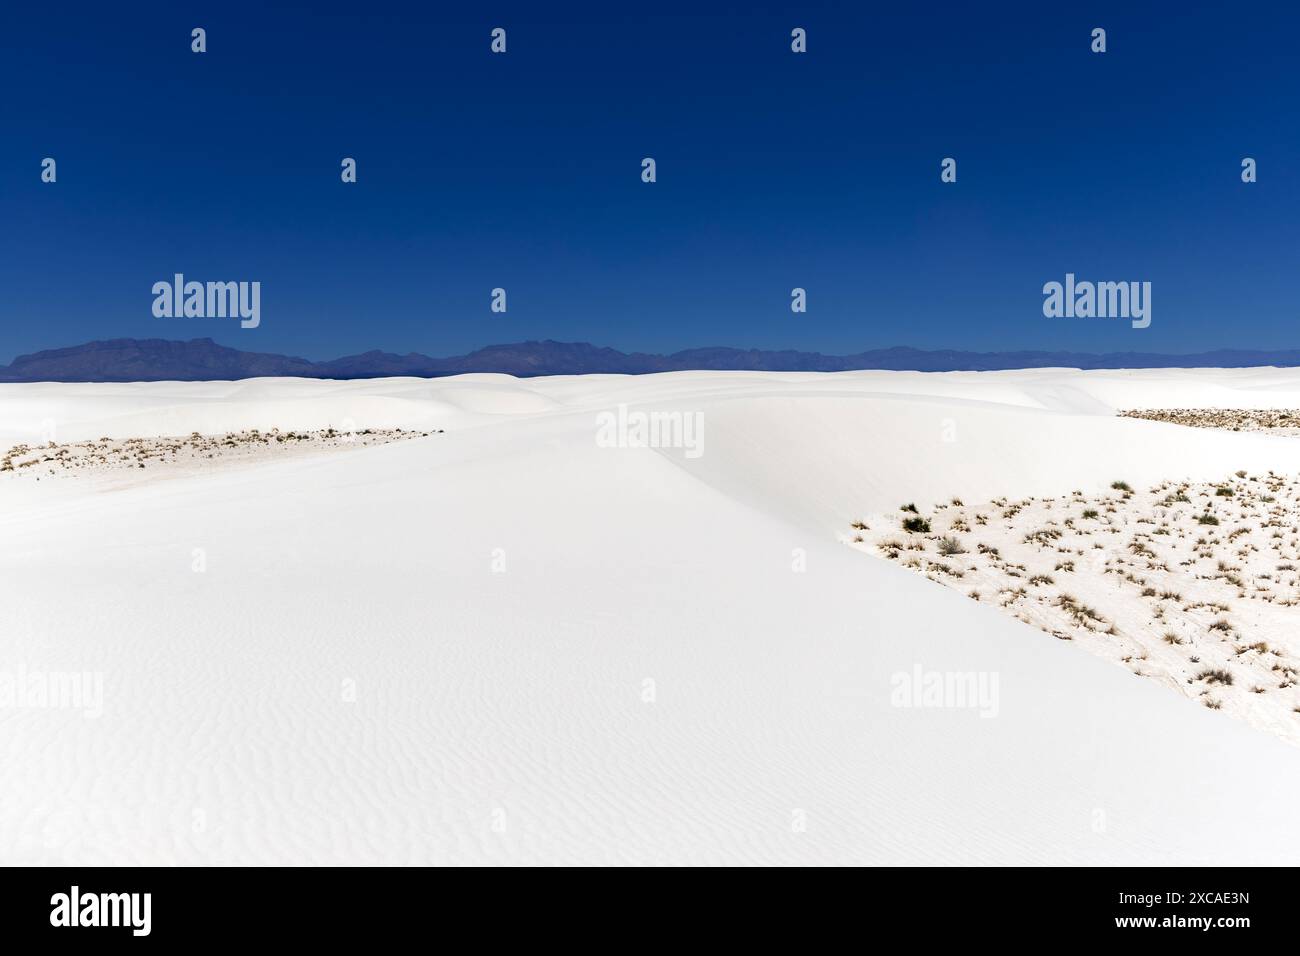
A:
(775, 170)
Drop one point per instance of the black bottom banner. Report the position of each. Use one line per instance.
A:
(339, 906)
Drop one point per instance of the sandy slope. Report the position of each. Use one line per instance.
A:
(353, 678)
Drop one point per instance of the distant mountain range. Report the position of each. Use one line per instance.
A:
(151, 360)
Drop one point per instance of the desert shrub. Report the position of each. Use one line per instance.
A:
(908, 507)
(1042, 536)
(917, 525)
(1080, 612)
(892, 549)
(1215, 675)
(1090, 512)
(950, 546)
(1207, 519)
(1120, 486)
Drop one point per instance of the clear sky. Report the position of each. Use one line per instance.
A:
(775, 170)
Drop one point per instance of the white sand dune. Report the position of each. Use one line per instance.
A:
(438, 651)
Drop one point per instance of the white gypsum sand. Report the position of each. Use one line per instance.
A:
(176, 453)
(1272, 421)
(1192, 584)
(509, 644)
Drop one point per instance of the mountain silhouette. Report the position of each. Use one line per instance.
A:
(153, 360)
